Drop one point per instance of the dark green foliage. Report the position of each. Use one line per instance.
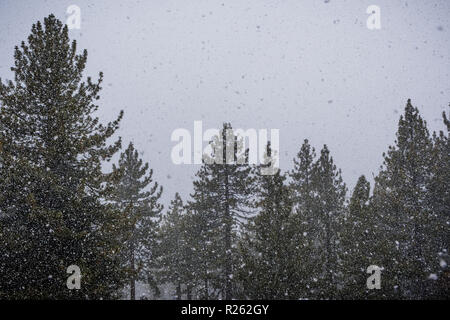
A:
(137, 197)
(175, 249)
(269, 266)
(360, 241)
(52, 188)
(221, 192)
(411, 229)
(320, 204)
(438, 201)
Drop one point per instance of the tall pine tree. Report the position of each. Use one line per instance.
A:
(408, 224)
(53, 191)
(137, 197)
(360, 240)
(319, 199)
(223, 188)
(439, 204)
(269, 264)
(174, 253)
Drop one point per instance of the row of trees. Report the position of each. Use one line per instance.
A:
(294, 235)
(240, 234)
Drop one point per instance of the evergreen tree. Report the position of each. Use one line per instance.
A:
(223, 189)
(329, 209)
(319, 199)
(269, 264)
(137, 197)
(52, 208)
(205, 242)
(409, 227)
(438, 201)
(359, 239)
(304, 217)
(302, 178)
(174, 253)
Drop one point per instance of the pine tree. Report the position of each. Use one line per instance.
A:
(174, 253)
(319, 199)
(205, 244)
(438, 201)
(222, 189)
(301, 178)
(53, 191)
(400, 198)
(329, 209)
(304, 217)
(359, 240)
(137, 197)
(269, 264)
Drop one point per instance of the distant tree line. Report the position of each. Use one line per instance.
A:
(240, 234)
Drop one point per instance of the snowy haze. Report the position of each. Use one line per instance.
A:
(309, 68)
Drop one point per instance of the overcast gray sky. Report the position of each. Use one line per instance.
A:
(310, 68)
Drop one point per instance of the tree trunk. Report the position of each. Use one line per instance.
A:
(228, 258)
(179, 291)
(132, 280)
(189, 292)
